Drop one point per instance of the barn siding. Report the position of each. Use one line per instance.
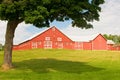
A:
(78, 45)
(87, 46)
(110, 47)
(116, 47)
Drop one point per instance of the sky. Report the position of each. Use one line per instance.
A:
(109, 24)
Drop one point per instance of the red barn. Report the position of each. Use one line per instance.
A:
(95, 42)
(53, 38)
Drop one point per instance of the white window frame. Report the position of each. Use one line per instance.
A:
(34, 45)
(77, 45)
(47, 38)
(48, 44)
(59, 39)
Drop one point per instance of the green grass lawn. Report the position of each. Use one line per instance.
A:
(41, 64)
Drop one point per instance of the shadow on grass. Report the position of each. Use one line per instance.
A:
(54, 65)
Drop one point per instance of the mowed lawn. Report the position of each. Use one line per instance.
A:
(41, 64)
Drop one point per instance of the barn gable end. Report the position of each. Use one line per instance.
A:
(99, 43)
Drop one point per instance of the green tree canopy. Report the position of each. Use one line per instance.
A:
(41, 12)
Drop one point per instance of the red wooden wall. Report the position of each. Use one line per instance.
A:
(87, 46)
(110, 47)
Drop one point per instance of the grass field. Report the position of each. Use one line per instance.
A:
(40, 64)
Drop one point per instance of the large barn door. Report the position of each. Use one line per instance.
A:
(48, 44)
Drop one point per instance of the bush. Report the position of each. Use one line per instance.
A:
(1, 47)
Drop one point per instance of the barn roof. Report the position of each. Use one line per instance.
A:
(73, 38)
(84, 38)
(35, 35)
(110, 42)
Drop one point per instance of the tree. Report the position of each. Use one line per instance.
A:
(41, 13)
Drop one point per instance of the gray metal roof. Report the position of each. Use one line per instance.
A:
(110, 42)
(82, 38)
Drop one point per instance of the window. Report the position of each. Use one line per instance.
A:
(60, 45)
(78, 45)
(34, 45)
(59, 39)
(48, 44)
(47, 38)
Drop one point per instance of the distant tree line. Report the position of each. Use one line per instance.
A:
(115, 38)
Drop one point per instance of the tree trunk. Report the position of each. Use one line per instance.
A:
(11, 26)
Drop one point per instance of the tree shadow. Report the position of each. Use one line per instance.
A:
(54, 65)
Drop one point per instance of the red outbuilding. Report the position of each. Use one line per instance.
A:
(99, 43)
(52, 38)
(116, 47)
(93, 42)
(110, 45)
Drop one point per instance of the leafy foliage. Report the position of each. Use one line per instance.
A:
(42, 12)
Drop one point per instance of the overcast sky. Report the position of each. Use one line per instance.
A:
(109, 24)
